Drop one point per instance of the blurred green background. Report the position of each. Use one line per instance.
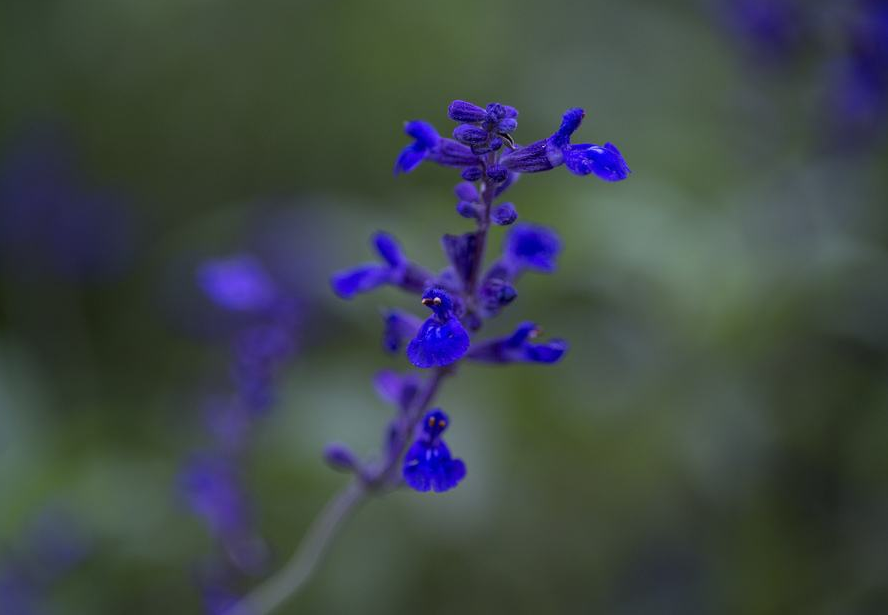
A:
(715, 441)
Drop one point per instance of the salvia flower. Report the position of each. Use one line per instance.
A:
(605, 161)
(428, 145)
(428, 465)
(442, 339)
(395, 270)
(465, 294)
(519, 347)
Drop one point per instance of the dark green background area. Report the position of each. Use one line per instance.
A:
(715, 440)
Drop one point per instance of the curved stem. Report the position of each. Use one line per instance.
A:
(290, 579)
(293, 576)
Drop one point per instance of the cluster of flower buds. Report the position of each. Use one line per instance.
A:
(465, 294)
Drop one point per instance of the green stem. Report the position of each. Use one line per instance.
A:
(290, 579)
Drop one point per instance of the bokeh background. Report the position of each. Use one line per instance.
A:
(715, 441)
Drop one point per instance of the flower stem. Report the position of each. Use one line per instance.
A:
(290, 579)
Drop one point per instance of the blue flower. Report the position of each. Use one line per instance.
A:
(238, 283)
(395, 270)
(442, 339)
(604, 161)
(518, 347)
(428, 145)
(425, 139)
(533, 247)
(428, 465)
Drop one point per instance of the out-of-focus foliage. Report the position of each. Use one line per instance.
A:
(713, 442)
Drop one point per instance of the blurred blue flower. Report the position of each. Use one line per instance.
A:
(238, 282)
(51, 222)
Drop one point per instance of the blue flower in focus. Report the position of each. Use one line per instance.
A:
(428, 465)
(238, 283)
(428, 145)
(519, 347)
(395, 270)
(442, 339)
(529, 246)
(605, 161)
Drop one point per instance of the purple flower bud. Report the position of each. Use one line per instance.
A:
(497, 173)
(462, 111)
(468, 210)
(491, 146)
(466, 191)
(504, 214)
(470, 134)
(472, 174)
(507, 125)
(462, 250)
(452, 154)
(340, 457)
(534, 158)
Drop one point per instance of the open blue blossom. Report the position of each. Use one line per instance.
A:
(442, 339)
(605, 161)
(395, 270)
(428, 465)
(238, 283)
(518, 347)
(533, 247)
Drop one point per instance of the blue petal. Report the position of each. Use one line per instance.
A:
(361, 279)
(462, 111)
(550, 352)
(409, 158)
(429, 467)
(437, 344)
(532, 247)
(570, 121)
(425, 134)
(388, 249)
(606, 162)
